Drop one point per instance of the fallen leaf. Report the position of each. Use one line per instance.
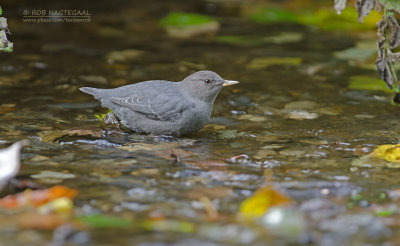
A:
(40, 221)
(361, 82)
(388, 152)
(262, 199)
(59, 205)
(36, 197)
(169, 226)
(105, 221)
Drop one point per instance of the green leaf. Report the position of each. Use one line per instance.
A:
(101, 117)
(385, 213)
(270, 14)
(361, 82)
(104, 221)
(9, 47)
(185, 19)
(1, 10)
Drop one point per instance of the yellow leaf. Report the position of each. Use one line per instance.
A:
(388, 152)
(260, 201)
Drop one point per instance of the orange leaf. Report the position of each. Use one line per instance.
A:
(36, 197)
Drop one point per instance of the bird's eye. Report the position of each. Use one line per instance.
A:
(207, 81)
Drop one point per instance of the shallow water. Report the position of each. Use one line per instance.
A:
(299, 125)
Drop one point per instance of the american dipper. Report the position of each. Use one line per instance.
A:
(164, 107)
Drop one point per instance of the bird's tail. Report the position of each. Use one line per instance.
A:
(97, 93)
(89, 90)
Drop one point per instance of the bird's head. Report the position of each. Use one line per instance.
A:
(205, 85)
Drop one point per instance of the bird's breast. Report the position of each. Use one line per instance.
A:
(195, 119)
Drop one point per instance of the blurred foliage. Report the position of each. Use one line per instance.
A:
(328, 20)
(5, 45)
(388, 37)
(323, 18)
(361, 82)
(270, 14)
(185, 19)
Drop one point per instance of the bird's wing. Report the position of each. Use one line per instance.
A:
(156, 106)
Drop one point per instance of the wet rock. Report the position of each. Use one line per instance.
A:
(123, 55)
(240, 100)
(226, 134)
(272, 146)
(54, 47)
(52, 175)
(228, 233)
(265, 62)
(285, 37)
(347, 229)
(264, 154)
(38, 65)
(301, 115)
(285, 222)
(252, 118)
(315, 189)
(146, 172)
(333, 111)
(320, 208)
(313, 141)
(305, 105)
(293, 152)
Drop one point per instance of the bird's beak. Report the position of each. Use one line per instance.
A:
(230, 82)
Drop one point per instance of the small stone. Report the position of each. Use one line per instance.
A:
(300, 105)
(264, 153)
(301, 115)
(252, 118)
(291, 152)
(123, 55)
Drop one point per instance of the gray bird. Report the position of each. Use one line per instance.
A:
(164, 107)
